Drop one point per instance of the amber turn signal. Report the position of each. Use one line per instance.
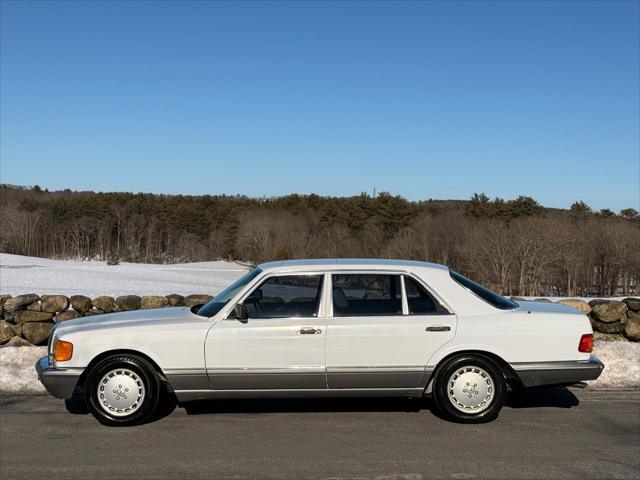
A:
(62, 351)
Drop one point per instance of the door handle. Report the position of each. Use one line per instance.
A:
(438, 328)
(309, 331)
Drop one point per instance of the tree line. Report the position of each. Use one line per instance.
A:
(516, 247)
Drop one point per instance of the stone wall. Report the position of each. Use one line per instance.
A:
(28, 319)
(614, 320)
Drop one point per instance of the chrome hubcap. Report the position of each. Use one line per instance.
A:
(120, 392)
(470, 389)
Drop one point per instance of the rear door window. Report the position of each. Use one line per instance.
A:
(366, 295)
(419, 301)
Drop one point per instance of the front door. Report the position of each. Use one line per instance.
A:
(382, 331)
(280, 345)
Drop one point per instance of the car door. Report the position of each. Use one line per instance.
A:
(382, 329)
(281, 343)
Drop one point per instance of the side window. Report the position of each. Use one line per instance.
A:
(419, 300)
(366, 294)
(286, 296)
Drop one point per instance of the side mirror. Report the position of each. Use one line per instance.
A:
(240, 312)
(195, 308)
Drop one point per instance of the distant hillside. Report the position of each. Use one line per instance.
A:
(516, 246)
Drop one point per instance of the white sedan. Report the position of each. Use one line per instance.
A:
(324, 327)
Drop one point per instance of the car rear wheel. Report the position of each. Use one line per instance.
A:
(122, 390)
(469, 389)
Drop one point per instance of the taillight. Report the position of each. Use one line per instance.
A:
(586, 343)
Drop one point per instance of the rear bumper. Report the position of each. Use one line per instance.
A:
(558, 373)
(59, 382)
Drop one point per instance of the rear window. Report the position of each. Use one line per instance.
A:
(484, 293)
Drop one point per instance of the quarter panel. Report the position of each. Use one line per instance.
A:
(518, 336)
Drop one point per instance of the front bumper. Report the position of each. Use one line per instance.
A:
(59, 382)
(558, 373)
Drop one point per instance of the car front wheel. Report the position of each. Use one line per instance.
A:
(469, 389)
(122, 390)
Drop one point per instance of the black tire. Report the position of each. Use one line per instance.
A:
(144, 373)
(446, 405)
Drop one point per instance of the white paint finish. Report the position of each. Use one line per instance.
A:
(266, 343)
(544, 335)
(385, 341)
(172, 337)
(175, 338)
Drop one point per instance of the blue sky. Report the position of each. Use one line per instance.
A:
(421, 99)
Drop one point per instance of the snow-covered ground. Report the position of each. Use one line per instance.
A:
(621, 359)
(621, 366)
(18, 372)
(20, 275)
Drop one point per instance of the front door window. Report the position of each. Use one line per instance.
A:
(287, 296)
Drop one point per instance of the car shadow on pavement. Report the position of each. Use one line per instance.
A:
(77, 405)
(551, 397)
(558, 397)
(273, 405)
(555, 397)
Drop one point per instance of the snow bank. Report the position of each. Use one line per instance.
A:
(621, 366)
(621, 359)
(17, 370)
(20, 274)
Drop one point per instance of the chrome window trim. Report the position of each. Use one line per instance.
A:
(401, 273)
(360, 272)
(431, 292)
(259, 280)
(405, 299)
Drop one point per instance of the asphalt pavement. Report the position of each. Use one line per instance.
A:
(543, 434)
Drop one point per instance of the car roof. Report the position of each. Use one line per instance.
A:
(348, 263)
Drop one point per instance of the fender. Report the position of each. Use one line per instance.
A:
(89, 356)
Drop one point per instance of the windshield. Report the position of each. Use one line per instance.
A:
(484, 293)
(220, 300)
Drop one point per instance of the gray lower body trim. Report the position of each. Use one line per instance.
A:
(305, 381)
(190, 395)
(377, 377)
(268, 381)
(554, 373)
(284, 378)
(59, 382)
(187, 379)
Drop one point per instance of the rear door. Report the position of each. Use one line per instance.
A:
(381, 330)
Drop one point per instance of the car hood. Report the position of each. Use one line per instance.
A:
(152, 316)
